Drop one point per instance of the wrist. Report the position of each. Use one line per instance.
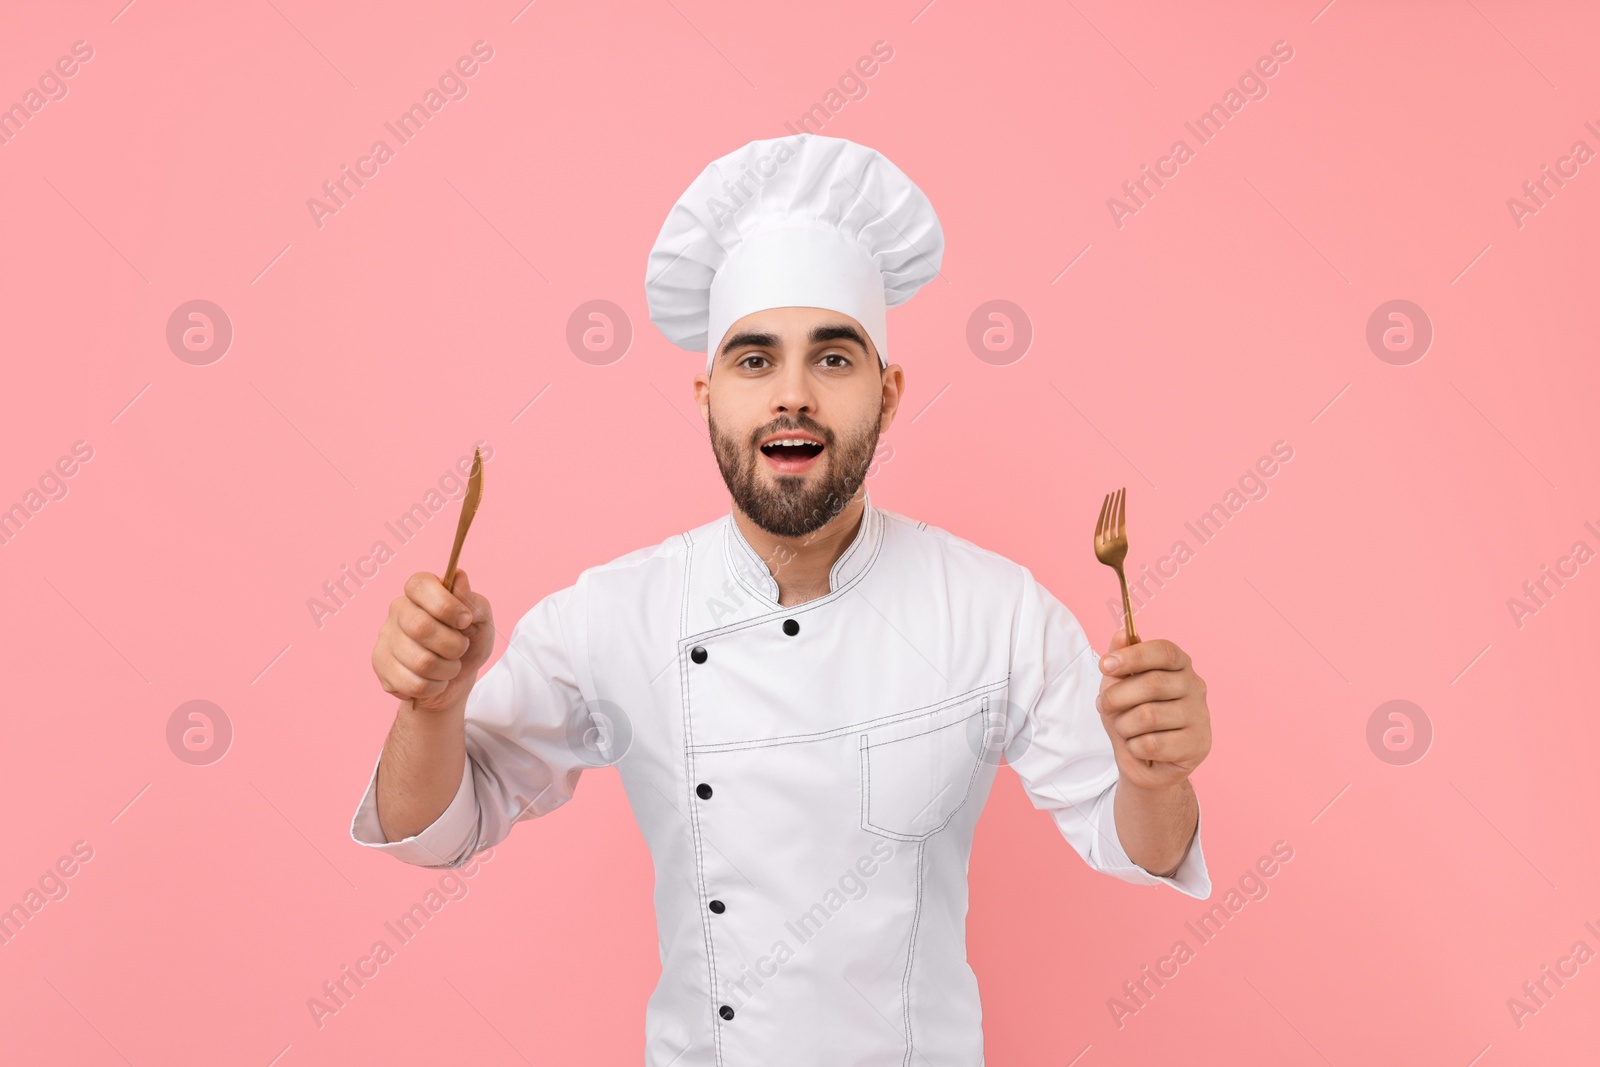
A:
(1130, 785)
(431, 719)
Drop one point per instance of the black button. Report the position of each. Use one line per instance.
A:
(725, 1011)
(791, 627)
(718, 907)
(697, 654)
(703, 791)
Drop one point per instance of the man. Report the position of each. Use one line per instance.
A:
(807, 698)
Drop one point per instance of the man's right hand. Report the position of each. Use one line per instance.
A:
(430, 647)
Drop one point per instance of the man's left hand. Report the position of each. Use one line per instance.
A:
(1153, 706)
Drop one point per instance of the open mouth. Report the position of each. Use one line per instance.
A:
(791, 454)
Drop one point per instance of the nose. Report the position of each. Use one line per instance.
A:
(793, 390)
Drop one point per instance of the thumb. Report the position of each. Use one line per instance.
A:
(462, 588)
(475, 602)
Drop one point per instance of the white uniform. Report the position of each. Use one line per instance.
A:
(807, 778)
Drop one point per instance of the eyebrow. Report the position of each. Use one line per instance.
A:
(839, 331)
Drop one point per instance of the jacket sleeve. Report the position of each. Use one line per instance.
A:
(529, 736)
(1059, 748)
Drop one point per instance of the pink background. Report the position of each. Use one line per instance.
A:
(369, 354)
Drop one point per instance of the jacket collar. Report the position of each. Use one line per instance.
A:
(751, 571)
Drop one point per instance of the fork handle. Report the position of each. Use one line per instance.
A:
(1127, 613)
(1133, 635)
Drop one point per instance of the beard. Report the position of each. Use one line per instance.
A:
(794, 505)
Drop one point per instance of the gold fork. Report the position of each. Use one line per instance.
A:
(1111, 548)
(469, 508)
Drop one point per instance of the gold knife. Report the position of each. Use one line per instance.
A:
(469, 508)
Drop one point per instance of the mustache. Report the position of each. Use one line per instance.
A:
(805, 425)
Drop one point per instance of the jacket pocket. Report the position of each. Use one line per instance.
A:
(917, 772)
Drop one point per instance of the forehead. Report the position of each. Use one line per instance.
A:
(791, 320)
(778, 328)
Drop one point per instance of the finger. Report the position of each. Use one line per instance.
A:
(428, 593)
(1156, 655)
(406, 684)
(1152, 717)
(477, 602)
(429, 632)
(1125, 693)
(482, 613)
(1119, 641)
(1163, 746)
(423, 663)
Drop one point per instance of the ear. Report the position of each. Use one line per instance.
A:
(702, 394)
(894, 381)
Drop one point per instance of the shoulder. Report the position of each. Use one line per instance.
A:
(983, 584)
(634, 585)
(641, 567)
(923, 544)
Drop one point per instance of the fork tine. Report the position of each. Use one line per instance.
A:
(1122, 512)
(1100, 523)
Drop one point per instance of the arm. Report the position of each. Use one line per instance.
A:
(419, 769)
(1104, 803)
(428, 654)
(1156, 826)
(1153, 706)
(468, 764)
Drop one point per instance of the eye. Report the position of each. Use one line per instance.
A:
(844, 359)
(746, 359)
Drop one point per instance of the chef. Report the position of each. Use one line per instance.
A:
(808, 698)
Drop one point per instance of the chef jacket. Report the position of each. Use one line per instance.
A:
(807, 778)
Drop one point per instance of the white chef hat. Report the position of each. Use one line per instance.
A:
(797, 221)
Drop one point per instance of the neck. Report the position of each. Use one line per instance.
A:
(800, 565)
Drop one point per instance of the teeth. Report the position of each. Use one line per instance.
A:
(790, 441)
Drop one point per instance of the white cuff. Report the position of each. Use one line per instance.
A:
(446, 842)
(1191, 878)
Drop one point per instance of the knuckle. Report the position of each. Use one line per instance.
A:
(405, 620)
(394, 682)
(416, 623)
(420, 587)
(415, 658)
(447, 646)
